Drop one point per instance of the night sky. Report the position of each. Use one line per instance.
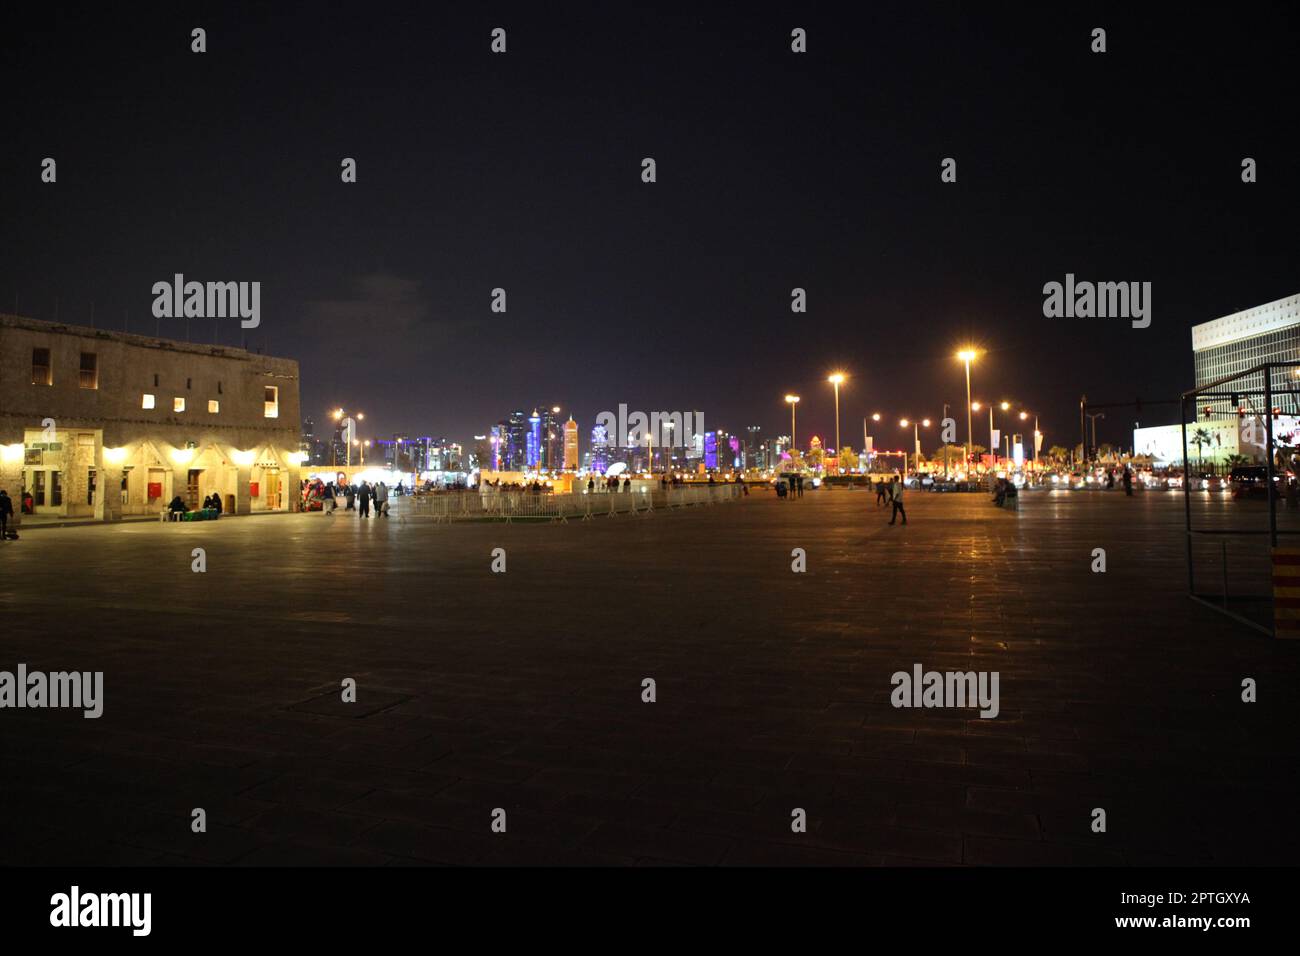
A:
(775, 170)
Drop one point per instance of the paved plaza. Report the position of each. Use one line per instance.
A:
(523, 691)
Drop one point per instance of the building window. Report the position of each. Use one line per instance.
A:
(89, 370)
(178, 404)
(155, 379)
(189, 383)
(214, 406)
(41, 367)
(272, 402)
(147, 402)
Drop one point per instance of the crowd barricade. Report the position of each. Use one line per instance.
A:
(490, 504)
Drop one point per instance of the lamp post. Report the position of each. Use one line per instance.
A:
(1024, 416)
(349, 426)
(835, 380)
(793, 400)
(945, 444)
(967, 356)
(916, 442)
(1094, 416)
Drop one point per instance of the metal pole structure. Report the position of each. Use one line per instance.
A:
(945, 443)
(839, 458)
(1268, 450)
(968, 416)
(1187, 501)
(994, 447)
(1083, 429)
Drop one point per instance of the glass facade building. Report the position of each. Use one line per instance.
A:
(1241, 341)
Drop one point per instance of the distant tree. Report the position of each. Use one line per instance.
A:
(848, 459)
(1200, 438)
(1058, 454)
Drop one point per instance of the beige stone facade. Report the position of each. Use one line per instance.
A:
(105, 424)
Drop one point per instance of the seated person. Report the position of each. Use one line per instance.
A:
(1000, 494)
(176, 508)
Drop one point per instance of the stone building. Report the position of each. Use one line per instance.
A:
(105, 424)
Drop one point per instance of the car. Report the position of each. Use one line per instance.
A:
(1209, 482)
(1249, 481)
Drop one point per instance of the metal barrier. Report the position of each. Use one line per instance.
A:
(508, 506)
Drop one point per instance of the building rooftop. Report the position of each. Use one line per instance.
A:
(127, 338)
(1240, 325)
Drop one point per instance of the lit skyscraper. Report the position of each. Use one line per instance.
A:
(552, 450)
(599, 449)
(516, 441)
(534, 440)
(570, 445)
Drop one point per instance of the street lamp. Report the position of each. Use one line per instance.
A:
(793, 400)
(1006, 406)
(340, 416)
(835, 380)
(967, 356)
(916, 441)
(1024, 416)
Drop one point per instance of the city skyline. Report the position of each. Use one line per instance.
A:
(773, 175)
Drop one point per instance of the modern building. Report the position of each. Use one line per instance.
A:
(534, 450)
(600, 450)
(516, 441)
(100, 424)
(552, 454)
(313, 448)
(1234, 343)
(571, 458)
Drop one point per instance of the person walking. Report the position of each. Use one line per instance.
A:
(351, 496)
(6, 510)
(896, 496)
(365, 493)
(800, 480)
(381, 498)
(881, 499)
(1128, 482)
(327, 502)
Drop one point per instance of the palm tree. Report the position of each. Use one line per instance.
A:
(1200, 438)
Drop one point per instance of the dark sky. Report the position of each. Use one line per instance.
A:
(775, 170)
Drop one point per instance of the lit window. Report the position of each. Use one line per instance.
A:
(89, 370)
(41, 367)
(147, 402)
(214, 406)
(178, 404)
(272, 402)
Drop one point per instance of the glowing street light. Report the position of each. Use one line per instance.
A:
(836, 380)
(348, 424)
(793, 400)
(967, 356)
(916, 440)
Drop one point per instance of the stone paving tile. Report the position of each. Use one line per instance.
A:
(773, 692)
